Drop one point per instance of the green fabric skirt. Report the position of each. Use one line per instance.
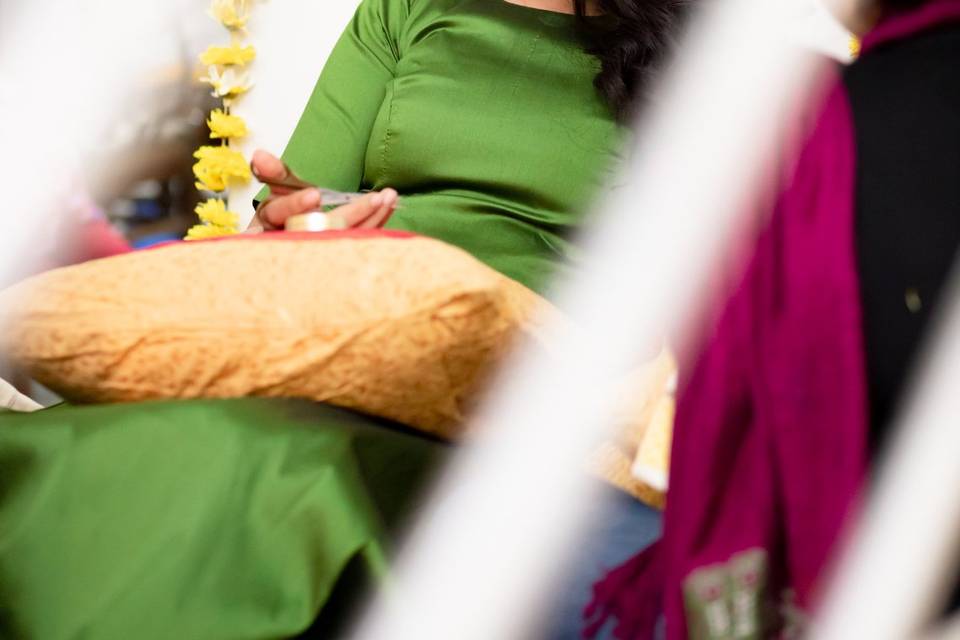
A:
(203, 519)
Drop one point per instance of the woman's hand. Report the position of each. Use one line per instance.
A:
(369, 212)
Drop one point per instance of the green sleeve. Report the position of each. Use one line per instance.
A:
(330, 141)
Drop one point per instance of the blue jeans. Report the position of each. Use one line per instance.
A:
(621, 527)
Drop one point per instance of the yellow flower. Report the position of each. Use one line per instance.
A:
(228, 84)
(204, 231)
(234, 54)
(214, 212)
(233, 14)
(217, 167)
(854, 47)
(226, 126)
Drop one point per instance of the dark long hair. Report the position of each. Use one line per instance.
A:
(631, 38)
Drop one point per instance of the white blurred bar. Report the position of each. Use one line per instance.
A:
(901, 563)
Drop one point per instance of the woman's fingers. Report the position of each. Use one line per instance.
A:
(369, 212)
(269, 168)
(389, 205)
(273, 213)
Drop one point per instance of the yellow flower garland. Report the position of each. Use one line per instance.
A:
(855, 47)
(215, 216)
(233, 14)
(224, 126)
(234, 54)
(214, 212)
(219, 167)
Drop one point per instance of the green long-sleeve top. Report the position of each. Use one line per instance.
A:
(482, 114)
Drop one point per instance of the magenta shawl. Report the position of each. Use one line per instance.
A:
(770, 447)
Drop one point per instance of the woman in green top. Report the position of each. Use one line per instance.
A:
(489, 117)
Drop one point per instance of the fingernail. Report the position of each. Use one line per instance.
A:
(390, 196)
(310, 198)
(377, 200)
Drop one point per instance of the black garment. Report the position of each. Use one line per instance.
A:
(906, 110)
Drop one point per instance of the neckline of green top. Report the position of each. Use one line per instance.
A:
(538, 10)
(543, 15)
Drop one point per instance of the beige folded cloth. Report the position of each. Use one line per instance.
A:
(638, 460)
(13, 400)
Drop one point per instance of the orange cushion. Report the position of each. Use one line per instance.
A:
(391, 324)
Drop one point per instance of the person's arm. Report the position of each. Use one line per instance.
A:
(328, 145)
